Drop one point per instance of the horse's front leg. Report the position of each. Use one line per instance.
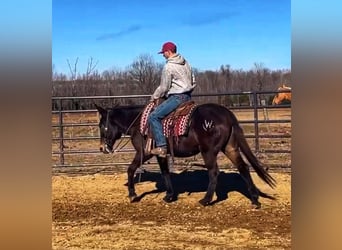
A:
(163, 164)
(137, 161)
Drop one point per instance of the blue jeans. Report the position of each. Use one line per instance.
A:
(161, 111)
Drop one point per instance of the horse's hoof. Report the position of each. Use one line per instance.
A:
(204, 202)
(168, 198)
(133, 198)
(256, 205)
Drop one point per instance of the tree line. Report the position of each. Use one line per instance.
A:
(142, 76)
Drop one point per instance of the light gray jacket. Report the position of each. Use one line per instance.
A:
(176, 78)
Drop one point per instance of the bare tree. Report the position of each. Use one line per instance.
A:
(58, 76)
(54, 73)
(91, 72)
(107, 75)
(73, 70)
(143, 76)
(145, 72)
(112, 74)
(261, 75)
(111, 77)
(211, 79)
(226, 73)
(259, 70)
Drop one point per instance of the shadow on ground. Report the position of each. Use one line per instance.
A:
(197, 181)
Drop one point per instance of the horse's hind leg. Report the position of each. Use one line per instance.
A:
(233, 153)
(213, 172)
(163, 164)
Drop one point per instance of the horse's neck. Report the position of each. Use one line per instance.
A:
(127, 117)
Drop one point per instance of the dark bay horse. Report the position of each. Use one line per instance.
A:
(213, 128)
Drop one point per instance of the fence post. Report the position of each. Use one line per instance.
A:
(256, 119)
(61, 133)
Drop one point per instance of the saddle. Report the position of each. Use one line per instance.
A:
(174, 125)
(183, 109)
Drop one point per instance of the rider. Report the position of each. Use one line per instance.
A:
(176, 85)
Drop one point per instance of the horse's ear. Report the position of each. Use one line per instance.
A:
(101, 110)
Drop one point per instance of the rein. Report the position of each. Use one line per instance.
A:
(133, 121)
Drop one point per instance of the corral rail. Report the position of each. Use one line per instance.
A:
(75, 137)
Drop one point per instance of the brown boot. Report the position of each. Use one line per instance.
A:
(161, 152)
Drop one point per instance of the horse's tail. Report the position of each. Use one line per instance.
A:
(246, 150)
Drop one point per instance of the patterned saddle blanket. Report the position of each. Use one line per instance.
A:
(175, 124)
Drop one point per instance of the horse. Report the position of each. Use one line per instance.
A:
(212, 128)
(282, 96)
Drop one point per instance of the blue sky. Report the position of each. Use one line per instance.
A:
(208, 33)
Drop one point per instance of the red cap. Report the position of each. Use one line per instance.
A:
(168, 46)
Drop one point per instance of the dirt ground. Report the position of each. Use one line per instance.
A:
(93, 212)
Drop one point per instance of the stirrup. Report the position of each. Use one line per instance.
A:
(148, 146)
(161, 152)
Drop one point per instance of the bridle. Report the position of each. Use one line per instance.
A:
(107, 122)
(107, 147)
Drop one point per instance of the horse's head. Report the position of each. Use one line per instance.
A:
(280, 97)
(109, 130)
(276, 99)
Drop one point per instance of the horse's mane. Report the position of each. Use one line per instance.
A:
(126, 107)
(283, 87)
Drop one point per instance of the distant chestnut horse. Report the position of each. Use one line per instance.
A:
(282, 96)
(213, 129)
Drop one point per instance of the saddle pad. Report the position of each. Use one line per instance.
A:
(172, 125)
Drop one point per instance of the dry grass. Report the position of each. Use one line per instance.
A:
(93, 212)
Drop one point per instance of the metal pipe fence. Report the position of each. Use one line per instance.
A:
(267, 129)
